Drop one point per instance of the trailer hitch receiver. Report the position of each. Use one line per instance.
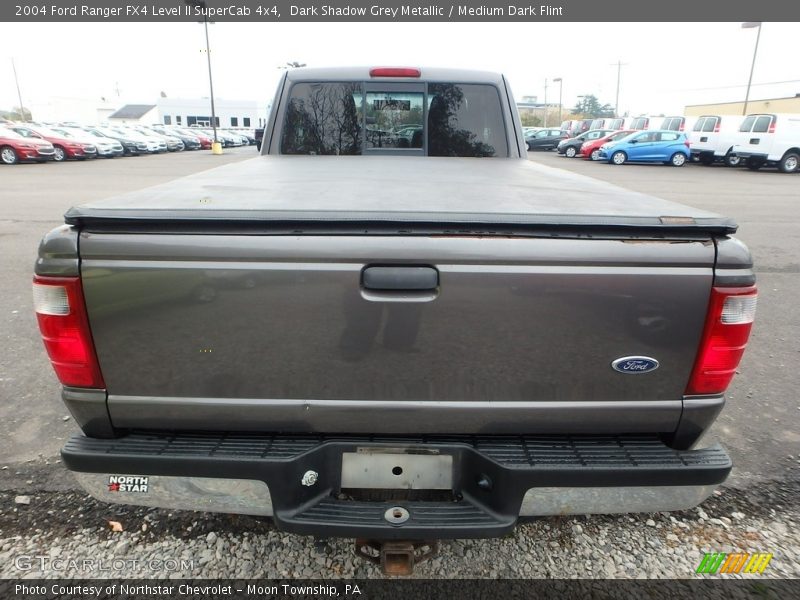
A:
(396, 557)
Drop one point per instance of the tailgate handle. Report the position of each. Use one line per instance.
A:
(401, 279)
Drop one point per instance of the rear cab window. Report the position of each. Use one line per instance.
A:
(354, 118)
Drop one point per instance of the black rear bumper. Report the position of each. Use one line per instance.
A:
(511, 465)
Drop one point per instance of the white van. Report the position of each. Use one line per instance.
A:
(712, 139)
(639, 123)
(678, 123)
(769, 140)
(614, 123)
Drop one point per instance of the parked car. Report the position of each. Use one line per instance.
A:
(64, 147)
(15, 148)
(578, 127)
(155, 145)
(190, 142)
(572, 146)
(224, 138)
(205, 140)
(248, 134)
(130, 145)
(679, 123)
(669, 147)
(544, 139)
(612, 123)
(239, 138)
(105, 146)
(173, 143)
(639, 123)
(590, 149)
(769, 140)
(712, 139)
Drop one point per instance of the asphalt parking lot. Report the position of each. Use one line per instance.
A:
(760, 425)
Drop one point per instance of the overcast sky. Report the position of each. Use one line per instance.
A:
(668, 65)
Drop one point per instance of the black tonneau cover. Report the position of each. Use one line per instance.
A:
(340, 190)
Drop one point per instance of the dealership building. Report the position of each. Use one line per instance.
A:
(187, 112)
(169, 111)
(790, 104)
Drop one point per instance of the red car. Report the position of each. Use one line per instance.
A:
(64, 147)
(205, 141)
(591, 149)
(14, 148)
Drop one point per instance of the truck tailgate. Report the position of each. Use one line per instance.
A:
(277, 332)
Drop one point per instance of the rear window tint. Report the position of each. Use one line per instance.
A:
(672, 124)
(323, 118)
(747, 124)
(710, 124)
(762, 124)
(465, 120)
(339, 118)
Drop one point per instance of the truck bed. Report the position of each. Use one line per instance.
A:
(327, 191)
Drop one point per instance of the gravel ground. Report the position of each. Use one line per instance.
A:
(39, 538)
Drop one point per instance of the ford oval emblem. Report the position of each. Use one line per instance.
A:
(633, 365)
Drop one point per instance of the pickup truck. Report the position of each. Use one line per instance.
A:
(392, 326)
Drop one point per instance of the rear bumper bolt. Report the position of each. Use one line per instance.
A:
(309, 478)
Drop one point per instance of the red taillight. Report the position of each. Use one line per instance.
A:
(61, 312)
(728, 322)
(772, 125)
(394, 72)
(716, 126)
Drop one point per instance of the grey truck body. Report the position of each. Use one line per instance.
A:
(337, 305)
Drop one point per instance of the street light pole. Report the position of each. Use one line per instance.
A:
(216, 147)
(560, 83)
(619, 64)
(19, 95)
(544, 124)
(750, 25)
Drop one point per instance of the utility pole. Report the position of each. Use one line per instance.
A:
(19, 94)
(619, 64)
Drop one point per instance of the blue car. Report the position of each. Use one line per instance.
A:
(668, 147)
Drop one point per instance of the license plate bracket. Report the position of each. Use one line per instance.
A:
(396, 468)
